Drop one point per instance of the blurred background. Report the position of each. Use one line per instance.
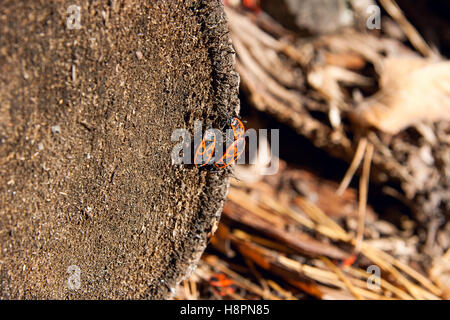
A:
(359, 208)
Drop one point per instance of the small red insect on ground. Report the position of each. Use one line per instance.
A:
(223, 285)
(349, 261)
(252, 5)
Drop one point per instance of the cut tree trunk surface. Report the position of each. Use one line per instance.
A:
(87, 187)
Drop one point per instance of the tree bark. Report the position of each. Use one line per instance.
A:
(88, 191)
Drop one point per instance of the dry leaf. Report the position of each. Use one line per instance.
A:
(412, 91)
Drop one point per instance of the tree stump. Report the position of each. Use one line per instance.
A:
(91, 205)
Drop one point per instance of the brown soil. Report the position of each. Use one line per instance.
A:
(86, 118)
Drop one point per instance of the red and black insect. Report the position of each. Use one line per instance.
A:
(205, 151)
(232, 153)
(238, 128)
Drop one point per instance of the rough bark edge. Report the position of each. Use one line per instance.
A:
(224, 80)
